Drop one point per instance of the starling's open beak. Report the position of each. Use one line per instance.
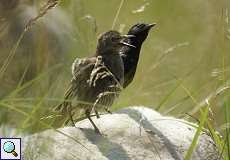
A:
(150, 25)
(125, 37)
(127, 44)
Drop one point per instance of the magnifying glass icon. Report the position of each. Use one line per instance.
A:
(9, 147)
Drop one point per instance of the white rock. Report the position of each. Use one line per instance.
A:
(135, 133)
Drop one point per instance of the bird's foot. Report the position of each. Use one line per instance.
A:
(98, 131)
(108, 111)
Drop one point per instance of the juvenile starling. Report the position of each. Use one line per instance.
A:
(97, 80)
(130, 55)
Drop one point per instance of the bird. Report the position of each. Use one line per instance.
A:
(130, 55)
(97, 80)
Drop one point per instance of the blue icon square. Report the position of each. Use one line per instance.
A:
(10, 148)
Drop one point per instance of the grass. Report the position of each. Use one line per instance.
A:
(197, 134)
(177, 83)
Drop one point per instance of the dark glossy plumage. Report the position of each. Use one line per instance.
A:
(97, 80)
(130, 55)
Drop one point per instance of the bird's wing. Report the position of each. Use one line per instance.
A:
(80, 67)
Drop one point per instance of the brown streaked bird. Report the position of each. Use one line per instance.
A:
(97, 80)
(130, 55)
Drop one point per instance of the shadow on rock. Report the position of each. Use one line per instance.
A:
(109, 149)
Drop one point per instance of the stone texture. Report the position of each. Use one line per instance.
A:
(135, 133)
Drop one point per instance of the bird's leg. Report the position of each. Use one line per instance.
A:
(87, 113)
(96, 112)
(107, 110)
(94, 108)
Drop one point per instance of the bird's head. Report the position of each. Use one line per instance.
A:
(111, 42)
(140, 31)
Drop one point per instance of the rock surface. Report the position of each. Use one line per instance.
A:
(135, 133)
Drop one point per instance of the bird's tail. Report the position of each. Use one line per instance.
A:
(61, 110)
(69, 94)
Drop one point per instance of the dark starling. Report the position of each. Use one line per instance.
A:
(97, 80)
(130, 55)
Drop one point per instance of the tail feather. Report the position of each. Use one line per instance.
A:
(62, 107)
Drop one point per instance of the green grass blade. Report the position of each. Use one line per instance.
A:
(203, 119)
(15, 109)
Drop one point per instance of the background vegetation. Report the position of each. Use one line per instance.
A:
(184, 67)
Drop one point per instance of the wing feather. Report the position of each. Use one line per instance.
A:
(80, 67)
